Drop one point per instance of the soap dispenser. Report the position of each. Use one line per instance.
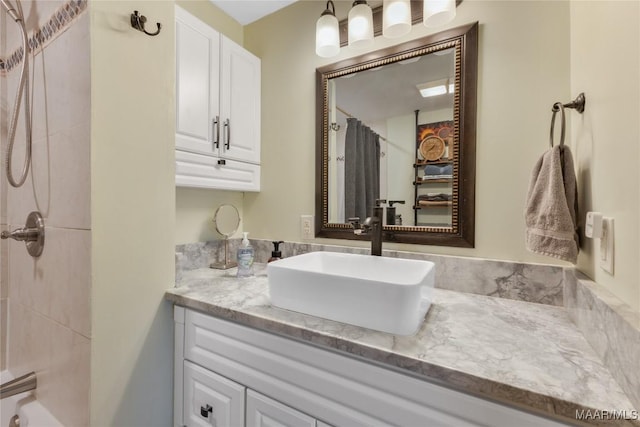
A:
(391, 212)
(276, 254)
(245, 256)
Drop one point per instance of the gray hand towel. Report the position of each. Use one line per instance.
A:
(552, 207)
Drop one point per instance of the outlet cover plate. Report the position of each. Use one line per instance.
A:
(306, 227)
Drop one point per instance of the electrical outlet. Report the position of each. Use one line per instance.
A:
(606, 245)
(306, 224)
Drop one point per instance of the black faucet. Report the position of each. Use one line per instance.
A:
(373, 226)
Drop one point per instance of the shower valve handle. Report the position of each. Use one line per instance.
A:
(32, 234)
(22, 234)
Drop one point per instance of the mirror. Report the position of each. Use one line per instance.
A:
(399, 125)
(226, 221)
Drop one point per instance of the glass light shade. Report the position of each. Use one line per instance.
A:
(360, 26)
(438, 12)
(327, 36)
(396, 18)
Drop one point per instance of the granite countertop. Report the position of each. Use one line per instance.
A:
(525, 354)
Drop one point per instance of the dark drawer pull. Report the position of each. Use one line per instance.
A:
(206, 410)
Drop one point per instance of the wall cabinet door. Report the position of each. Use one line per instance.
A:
(217, 108)
(265, 412)
(211, 400)
(197, 84)
(240, 103)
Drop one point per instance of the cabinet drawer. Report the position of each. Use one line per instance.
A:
(210, 399)
(265, 412)
(201, 171)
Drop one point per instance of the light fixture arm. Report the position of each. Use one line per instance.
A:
(329, 12)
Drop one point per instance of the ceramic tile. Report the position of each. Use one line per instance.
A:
(29, 341)
(4, 265)
(3, 333)
(70, 181)
(66, 265)
(52, 18)
(26, 284)
(67, 395)
(58, 283)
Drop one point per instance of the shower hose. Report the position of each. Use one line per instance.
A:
(23, 91)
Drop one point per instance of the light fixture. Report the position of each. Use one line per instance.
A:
(360, 25)
(327, 33)
(396, 18)
(435, 88)
(438, 12)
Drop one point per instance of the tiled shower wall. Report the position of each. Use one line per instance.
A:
(46, 302)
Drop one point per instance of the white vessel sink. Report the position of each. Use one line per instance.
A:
(386, 294)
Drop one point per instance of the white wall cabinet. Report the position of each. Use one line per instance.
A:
(290, 383)
(217, 108)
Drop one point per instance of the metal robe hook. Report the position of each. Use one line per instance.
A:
(138, 21)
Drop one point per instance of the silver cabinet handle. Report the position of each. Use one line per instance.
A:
(216, 132)
(227, 127)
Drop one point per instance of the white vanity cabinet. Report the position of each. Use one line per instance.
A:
(217, 109)
(211, 399)
(265, 412)
(292, 383)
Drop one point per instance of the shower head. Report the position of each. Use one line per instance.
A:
(10, 10)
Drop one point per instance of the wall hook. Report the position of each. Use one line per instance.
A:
(138, 21)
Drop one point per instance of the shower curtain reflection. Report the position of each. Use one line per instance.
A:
(361, 169)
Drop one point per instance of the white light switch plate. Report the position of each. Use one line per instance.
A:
(606, 245)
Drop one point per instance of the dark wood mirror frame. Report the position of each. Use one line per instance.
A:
(462, 232)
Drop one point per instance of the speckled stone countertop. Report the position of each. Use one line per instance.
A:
(528, 355)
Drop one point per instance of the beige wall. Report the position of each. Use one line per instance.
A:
(133, 214)
(195, 207)
(49, 308)
(523, 69)
(606, 137)
(215, 17)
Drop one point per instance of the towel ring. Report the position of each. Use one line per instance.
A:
(577, 104)
(557, 107)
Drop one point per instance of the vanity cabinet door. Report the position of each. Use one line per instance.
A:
(210, 399)
(265, 412)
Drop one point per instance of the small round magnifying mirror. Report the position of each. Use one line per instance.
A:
(226, 221)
